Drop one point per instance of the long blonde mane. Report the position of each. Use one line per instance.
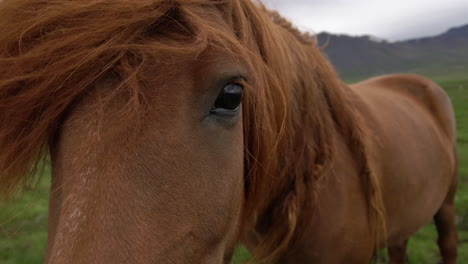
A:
(53, 52)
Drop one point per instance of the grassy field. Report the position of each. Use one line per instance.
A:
(23, 222)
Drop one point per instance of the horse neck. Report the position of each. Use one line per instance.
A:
(323, 113)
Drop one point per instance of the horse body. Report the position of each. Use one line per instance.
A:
(178, 127)
(415, 133)
(413, 129)
(416, 140)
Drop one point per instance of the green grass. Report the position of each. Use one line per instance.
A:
(23, 222)
(23, 226)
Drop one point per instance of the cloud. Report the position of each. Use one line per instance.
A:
(387, 19)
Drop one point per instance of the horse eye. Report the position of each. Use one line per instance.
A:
(229, 100)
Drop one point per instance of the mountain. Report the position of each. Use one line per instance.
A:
(364, 56)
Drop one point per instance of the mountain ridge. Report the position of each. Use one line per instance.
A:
(357, 57)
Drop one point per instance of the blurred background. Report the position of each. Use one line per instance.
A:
(362, 38)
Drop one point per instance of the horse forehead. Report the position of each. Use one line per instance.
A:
(217, 13)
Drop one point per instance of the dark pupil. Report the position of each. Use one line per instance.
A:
(230, 97)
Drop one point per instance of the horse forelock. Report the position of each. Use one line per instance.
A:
(53, 52)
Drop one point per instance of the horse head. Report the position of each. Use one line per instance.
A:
(173, 127)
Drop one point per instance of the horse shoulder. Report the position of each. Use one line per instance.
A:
(421, 91)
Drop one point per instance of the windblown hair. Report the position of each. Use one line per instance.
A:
(52, 52)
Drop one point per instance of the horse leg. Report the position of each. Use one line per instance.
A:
(445, 223)
(397, 253)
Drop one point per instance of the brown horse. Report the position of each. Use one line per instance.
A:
(176, 128)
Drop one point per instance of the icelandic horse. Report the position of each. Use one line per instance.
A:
(176, 128)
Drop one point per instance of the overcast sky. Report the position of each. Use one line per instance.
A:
(392, 20)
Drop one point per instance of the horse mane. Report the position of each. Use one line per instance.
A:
(54, 52)
(315, 104)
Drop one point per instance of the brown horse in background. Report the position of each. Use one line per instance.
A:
(177, 128)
